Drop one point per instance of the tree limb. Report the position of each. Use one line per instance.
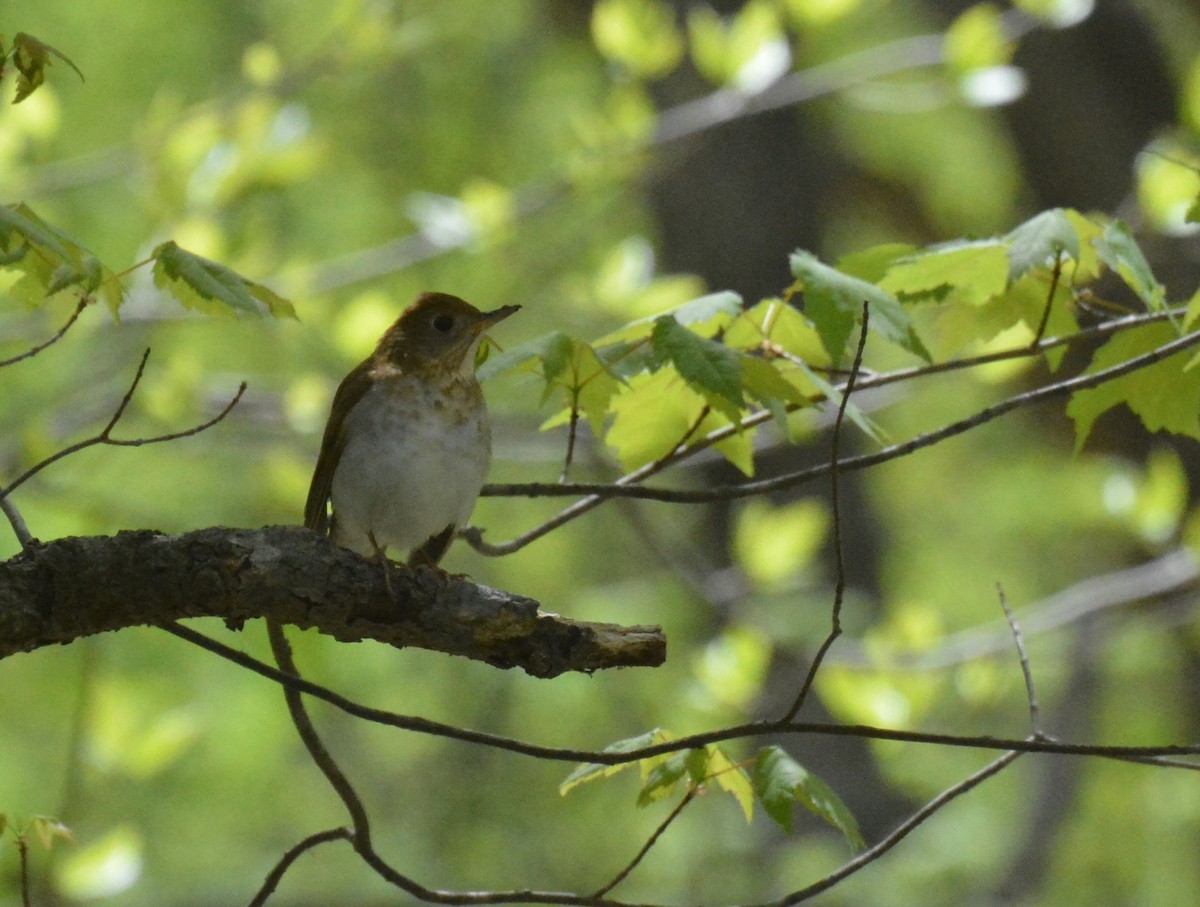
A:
(63, 590)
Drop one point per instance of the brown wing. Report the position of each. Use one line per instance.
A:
(349, 392)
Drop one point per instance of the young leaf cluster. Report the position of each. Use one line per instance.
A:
(716, 364)
(773, 779)
(50, 262)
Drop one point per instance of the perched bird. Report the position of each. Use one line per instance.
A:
(407, 445)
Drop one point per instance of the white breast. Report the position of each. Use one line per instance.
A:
(414, 464)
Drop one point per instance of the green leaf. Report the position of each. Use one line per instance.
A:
(731, 778)
(31, 57)
(972, 272)
(639, 34)
(706, 315)
(781, 783)
(204, 285)
(708, 367)
(725, 51)
(591, 771)
(662, 778)
(59, 262)
(833, 302)
(977, 39)
(586, 381)
(1165, 396)
(872, 263)
(782, 326)
(521, 354)
(1119, 250)
(1038, 241)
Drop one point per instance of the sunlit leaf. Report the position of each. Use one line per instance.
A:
(201, 284)
(731, 778)
(1165, 396)
(639, 34)
(977, 39)
(774, 543)
(972, 272)
(781, 783)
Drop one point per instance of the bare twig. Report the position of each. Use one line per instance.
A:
(105, 435)
(650, 842)
(1054, 277)
(54, 338)
(693, 741)
(293, 853)
(18, 522)
(839, 590)
(1035, 719)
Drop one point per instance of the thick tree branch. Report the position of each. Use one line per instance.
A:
(75, 587)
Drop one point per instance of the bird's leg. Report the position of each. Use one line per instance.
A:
(381, 556)
(432, 551)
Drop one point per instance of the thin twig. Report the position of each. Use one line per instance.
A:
(871, 854)
(105, 436)
(650, 842)
(1054, 277)
(57, 336)
(839, 590)
(1035, 718)
(293, 853)
(692, 741)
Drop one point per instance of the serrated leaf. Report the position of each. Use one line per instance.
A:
(592, 771)
(972, 272)
(1165, 396)
(204, 285)
(781, 783)
(705, 314)
(519, 355)
(872, 263)
(59, 263)
(833, 302)
(651, 416)
(708, 367)
(763, 381)
(663, 777)
(1119, 250)
(1038, 241)
(731, 778)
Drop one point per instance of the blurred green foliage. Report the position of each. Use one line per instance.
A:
(347, 155)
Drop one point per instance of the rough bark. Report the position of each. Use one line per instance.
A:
(74, 587)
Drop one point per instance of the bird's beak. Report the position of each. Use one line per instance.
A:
(487, 319)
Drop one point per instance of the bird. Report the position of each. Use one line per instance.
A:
(407, 444)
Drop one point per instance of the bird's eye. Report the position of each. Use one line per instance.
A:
(443, 323)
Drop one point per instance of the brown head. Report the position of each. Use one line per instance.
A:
(437, 333)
